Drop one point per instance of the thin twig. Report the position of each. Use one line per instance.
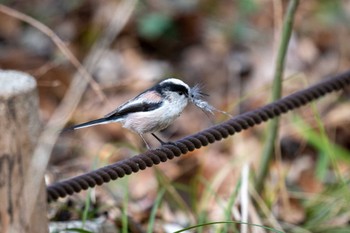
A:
(58, 42)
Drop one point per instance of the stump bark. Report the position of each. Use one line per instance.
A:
(19, 127)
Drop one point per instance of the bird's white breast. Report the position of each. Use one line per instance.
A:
(155, 120)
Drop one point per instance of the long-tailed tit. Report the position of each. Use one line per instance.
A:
(154, 109)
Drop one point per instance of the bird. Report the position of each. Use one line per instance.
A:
(152, 110)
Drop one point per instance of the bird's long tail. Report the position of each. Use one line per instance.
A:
(88, 124)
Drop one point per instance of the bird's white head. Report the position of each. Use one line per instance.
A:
(173, 89)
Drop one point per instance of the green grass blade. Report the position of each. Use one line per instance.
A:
(87, 207)
(125, 207)
(80, 230)
(276, 92)
(154, 210)
(227, 222)
(313, 137)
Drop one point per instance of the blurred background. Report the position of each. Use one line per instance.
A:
(229, 47)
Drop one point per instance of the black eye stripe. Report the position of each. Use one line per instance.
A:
(174, 87)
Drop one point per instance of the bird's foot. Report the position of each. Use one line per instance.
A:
(162, 142)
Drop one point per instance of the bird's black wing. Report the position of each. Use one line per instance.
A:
(132, 108)
(146, 101)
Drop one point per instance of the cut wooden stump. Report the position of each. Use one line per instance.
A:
(19, 127)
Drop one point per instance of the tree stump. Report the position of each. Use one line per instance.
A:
(19, 127)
